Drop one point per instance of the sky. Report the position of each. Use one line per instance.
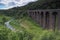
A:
(7, 4)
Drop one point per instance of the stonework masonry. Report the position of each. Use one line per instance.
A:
(47, 18)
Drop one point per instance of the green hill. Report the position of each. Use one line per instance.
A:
(26, 29)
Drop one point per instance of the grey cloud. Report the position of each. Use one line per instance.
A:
(11, 3)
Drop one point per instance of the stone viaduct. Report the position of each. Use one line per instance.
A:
(47, 18)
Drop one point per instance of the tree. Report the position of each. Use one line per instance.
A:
(4, 20)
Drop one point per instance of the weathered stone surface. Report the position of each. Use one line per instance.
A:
(48, 19)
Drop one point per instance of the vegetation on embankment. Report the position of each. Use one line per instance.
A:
(26, 29)
(7, 34)
(37, 32)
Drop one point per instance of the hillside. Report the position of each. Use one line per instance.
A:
(24, 27)
(41, 4)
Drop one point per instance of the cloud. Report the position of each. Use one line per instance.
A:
(2, 5)
(7, 4)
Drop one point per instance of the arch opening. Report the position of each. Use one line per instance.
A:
(47, 20)
(55, 20)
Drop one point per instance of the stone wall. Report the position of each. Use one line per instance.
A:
(48, 19)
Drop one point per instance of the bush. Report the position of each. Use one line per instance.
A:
(6, 34)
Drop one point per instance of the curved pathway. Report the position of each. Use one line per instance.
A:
(8, 25)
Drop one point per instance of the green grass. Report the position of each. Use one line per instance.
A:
(31, 27)
(26, 29)
(7, 34)
(2, 16)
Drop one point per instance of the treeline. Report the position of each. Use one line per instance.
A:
(40, 4)
(13, 13)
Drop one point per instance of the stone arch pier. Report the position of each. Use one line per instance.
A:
(48, 19)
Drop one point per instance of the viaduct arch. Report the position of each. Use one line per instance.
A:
(48, 19)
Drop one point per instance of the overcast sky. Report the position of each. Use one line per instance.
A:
(7, 4)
